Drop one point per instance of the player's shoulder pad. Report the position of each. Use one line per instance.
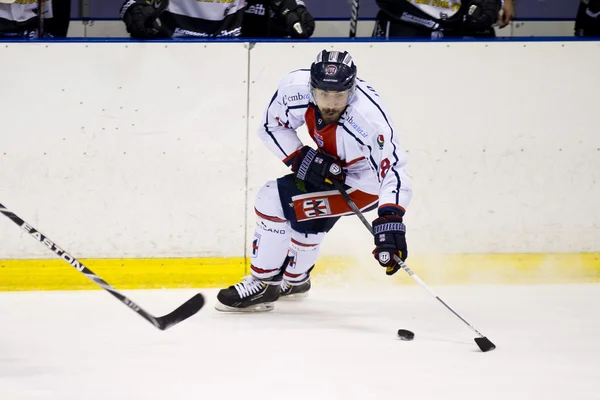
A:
(366, 115)
(355, 123)
(294, 88)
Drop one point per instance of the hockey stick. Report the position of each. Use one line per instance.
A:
(483, 342)
(183, 312)
(41, 19)
(354, 17)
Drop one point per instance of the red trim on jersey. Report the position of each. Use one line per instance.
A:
(267, 217)
(289, 158)
(347, 164)
(325, 138)
(303, 244)
(287, 125)
(329, 204)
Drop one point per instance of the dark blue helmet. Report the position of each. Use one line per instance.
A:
(333, 70)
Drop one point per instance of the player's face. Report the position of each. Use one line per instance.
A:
(331, 104)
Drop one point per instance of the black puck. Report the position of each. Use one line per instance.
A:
(405, 335)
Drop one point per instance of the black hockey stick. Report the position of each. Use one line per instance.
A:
(354, 17)
(483, 342)
(41, 18)
(183, 312)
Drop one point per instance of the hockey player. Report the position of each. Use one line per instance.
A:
(587, 22)
(277, 19)
(356, 145)
(20, 18)
(437, 18)
(223, 18)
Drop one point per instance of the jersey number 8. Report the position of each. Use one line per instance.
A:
(384, 167)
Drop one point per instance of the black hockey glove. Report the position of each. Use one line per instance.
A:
(482, 14)
(390, 238)
(316, 168)
(300, 24)
(141, 22)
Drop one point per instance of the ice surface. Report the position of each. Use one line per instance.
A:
(339, 343)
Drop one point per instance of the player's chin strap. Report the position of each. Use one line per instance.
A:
(483, 342)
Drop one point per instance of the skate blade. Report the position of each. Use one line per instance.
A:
(264, 307)
(296, 297)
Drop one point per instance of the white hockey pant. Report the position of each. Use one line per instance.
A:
(274, 240)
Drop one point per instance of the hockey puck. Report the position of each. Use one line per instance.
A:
(405, 335)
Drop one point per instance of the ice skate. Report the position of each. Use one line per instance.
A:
(250, 295)
(292, 290)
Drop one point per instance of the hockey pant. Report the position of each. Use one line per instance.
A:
(291, 224)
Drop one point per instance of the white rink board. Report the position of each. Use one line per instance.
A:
(120, 149)
(495, 166)
(139, 149)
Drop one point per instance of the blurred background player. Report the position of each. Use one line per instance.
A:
(587, 22)
(356, 145)
(231, 18)
(507, 13)
(287, 18)
(21, 18)
(438, 18)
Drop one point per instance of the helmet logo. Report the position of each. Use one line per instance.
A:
(330, 70)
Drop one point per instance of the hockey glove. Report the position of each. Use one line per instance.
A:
(140, 22)
(300, 24)
(482, 14)
(390, 238)
(317, 168)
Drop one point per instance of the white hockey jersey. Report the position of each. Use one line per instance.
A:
(199, 18)
(21, 17)
(428, 13)
(438, 9)
(364, 139)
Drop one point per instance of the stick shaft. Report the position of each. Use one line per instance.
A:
(405, 267)
(78, 265)
(41, 18)
(354, 17)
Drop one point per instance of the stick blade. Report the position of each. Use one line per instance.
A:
(485, 344)
(183, 312)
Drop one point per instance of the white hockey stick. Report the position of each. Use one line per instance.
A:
(354, 17)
